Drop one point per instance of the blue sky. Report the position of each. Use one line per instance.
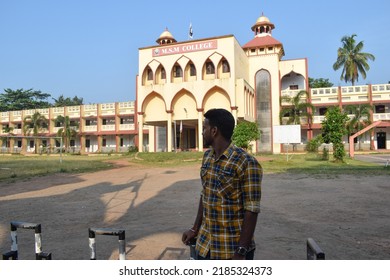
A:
(89, 48)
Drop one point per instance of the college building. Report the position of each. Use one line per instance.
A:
(178, 82)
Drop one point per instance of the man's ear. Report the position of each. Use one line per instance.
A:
(214, 131)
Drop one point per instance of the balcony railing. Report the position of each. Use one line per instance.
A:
(90, 128)
(128, 126)
(108, 127)
(382, 117)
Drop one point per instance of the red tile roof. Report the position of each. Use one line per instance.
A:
(262, 42)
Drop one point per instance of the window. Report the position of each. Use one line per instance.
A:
(270, 48)
(104, 121)
(210, 68)
(150, 74)
(104, 142)
(262, 49)
(19, 126)
(163, 74)
(322, 111)
(177, 72)
(264, 106)
(19, 143)
(192, 70)
(293, 87)
(121, 142)
(87, 143)
(225, 66)
(72, 143)
(87, 122)
(31, 143)
(379, 109)
(121, 122)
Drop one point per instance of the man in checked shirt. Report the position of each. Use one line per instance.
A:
(230, 198)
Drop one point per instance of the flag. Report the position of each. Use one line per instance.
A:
(190, 33)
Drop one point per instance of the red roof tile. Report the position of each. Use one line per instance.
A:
(262, 42)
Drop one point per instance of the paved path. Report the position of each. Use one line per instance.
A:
(348, 216)
(381, 159)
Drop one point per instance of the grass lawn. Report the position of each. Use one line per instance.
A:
(17, 167)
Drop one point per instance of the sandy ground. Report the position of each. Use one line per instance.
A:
(348, 216)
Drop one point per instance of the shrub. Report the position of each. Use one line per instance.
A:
(314, 144)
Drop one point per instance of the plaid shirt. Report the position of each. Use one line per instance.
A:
(231, 185)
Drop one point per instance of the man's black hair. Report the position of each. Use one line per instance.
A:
(223, 120)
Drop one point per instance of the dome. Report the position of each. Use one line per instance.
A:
(165, 38)
(166, 35)
(263, 21)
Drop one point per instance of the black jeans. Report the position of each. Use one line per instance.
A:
(249, 256)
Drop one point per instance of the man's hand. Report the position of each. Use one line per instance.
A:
(188, 236)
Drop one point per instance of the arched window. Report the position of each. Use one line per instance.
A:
(192, 70)
(163, 74)
(177, 71)
(225, 66)
(263, 109)
(150, 74)
(210, 69)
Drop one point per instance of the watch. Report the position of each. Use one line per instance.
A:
(242, 251)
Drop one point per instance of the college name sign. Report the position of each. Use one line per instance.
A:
(194, 47)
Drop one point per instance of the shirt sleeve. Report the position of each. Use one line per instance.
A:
(252, 178)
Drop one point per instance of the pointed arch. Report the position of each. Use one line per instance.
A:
(154, 108)
(216, 96)
(223, 69)
(184, 106)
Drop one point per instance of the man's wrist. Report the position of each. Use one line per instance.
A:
(242, 251)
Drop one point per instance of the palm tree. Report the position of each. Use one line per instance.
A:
(34, 125)
(297, 108)
(67, 132)
(351, 58)
(361, 118)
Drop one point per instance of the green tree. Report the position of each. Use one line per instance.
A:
(20, 99)
(351, 58)
(298, 107)
(35, 125)
(319, 83)
(62, 101)
(244, 133)
(333, 130)
(68, 131)
(361, 118)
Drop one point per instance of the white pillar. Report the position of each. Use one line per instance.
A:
(140, 132)
(200, 131)
(169, 132)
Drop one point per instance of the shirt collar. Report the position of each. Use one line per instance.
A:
(227, 153)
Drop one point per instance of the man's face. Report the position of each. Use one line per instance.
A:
(207, 133)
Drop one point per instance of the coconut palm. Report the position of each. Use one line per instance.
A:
(361, 118)
(351, 58)
(35, 125)
(67, 131)
(297, 108)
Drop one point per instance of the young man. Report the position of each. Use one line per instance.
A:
(230, 198)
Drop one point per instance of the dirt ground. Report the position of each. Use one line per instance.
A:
(348, 216)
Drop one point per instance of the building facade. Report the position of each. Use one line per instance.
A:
(108, 127)
(178, 82)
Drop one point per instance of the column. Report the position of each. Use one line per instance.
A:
(200, 130)
(140, 131)
(169, 131)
